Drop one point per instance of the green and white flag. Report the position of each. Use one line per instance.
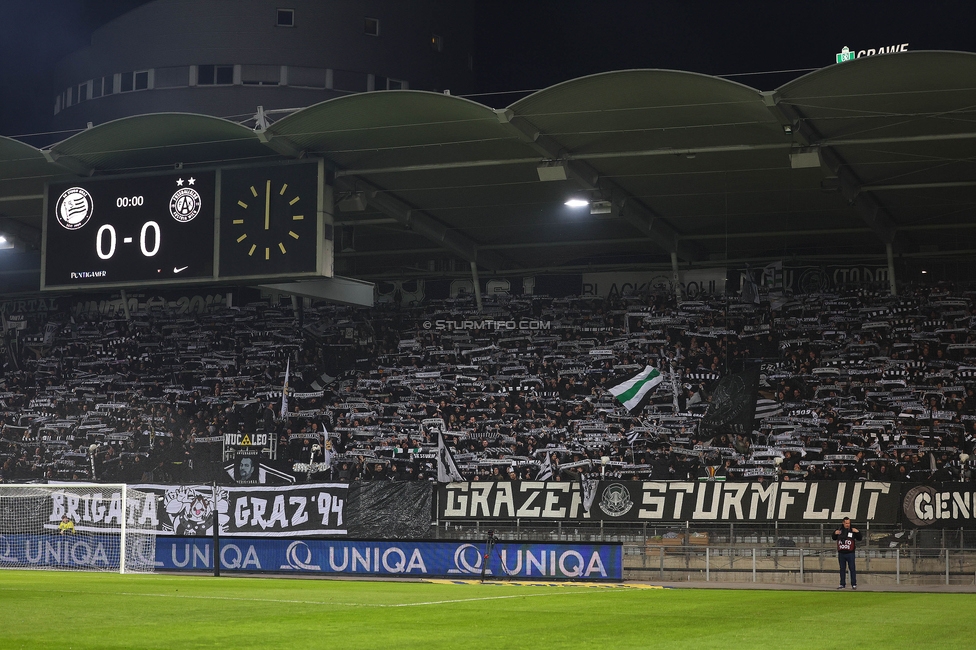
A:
(634, 392)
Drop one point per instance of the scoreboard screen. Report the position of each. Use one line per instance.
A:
(151, 229)
(172, 228)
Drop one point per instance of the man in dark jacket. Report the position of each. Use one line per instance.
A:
(847, 537)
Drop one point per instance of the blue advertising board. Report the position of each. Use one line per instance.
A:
(452, 559)
(62, 551)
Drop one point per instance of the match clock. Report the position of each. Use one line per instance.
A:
(269, 223)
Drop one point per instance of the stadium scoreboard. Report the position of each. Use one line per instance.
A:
(187, 226)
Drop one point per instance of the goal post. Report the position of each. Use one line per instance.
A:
(77, 527)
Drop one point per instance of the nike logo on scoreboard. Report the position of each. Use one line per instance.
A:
(180, 270)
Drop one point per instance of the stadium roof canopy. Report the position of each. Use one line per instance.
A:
(831, 166)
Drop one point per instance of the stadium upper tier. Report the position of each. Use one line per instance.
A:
(838, 163)
(854, 384)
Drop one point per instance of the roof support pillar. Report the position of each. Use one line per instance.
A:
(891, 269)
(675, 278)
(476, 281)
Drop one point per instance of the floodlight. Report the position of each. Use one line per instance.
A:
(577, 203)
(551, 171)
(805, 159)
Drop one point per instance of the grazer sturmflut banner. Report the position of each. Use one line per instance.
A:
(672, 501)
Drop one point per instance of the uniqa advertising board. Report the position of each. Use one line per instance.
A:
(453, 559)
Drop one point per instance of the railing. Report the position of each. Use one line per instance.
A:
(789, 535)
(915, 566)
(775, 553)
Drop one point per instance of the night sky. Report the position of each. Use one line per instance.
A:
(531, 44)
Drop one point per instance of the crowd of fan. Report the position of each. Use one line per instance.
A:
(854, 385)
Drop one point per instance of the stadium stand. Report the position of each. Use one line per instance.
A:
(854, 384)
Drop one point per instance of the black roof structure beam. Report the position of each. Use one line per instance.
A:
(67, 163)
(394, 207)
(630, 208)
(874, 214)
(422, 223)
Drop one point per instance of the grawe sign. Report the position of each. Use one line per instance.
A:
(848, 54)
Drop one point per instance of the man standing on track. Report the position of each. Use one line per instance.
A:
(846, 537)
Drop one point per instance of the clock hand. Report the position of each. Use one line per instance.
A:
(267, 206)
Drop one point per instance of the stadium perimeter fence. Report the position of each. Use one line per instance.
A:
(778, 553)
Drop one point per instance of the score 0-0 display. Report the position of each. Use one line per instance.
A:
(129, 231)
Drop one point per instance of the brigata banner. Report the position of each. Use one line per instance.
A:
(418, 559)
(942, 505)
(393, 510)
(671, 501)
(263, 511)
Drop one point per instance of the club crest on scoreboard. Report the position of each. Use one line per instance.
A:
(185, 204)
(74, 208)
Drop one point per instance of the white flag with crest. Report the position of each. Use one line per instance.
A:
(447, 469)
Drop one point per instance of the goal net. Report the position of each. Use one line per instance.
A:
(77, 527)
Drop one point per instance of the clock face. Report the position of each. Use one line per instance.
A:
(268, 221)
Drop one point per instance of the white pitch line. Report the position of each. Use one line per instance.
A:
(467, 600)
(301, 602)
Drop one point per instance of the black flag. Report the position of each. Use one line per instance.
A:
(732, 404)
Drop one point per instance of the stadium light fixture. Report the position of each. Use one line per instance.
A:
(551, 171)
(577, 202)
(6, 244)
(805, 159)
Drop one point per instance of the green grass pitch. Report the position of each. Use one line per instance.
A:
(40, 609)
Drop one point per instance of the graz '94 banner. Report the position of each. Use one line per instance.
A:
(672, 501)
(394, 510)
